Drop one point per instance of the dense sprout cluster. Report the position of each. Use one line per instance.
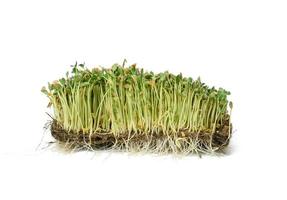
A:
(129, 101)
(121, 100)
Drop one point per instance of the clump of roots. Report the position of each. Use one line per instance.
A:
(183, 142)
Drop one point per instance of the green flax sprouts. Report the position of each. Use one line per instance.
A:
(122, 101)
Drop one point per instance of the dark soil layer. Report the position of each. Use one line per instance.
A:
(219, 139)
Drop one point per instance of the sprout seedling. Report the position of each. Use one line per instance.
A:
(127, 108)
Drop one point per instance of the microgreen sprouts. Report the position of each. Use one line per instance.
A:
(128, 100)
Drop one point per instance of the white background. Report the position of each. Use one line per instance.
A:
(238, 45)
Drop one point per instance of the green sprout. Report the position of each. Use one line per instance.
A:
(129, 108)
